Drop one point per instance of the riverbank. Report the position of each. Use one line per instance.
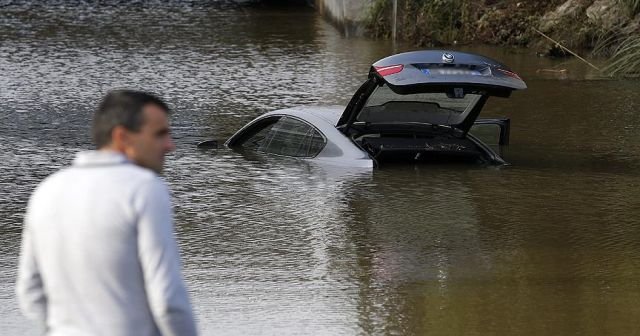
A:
(609, 28)
(575, 23)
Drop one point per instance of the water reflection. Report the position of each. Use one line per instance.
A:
(416, 236)
(262, 235)
(472, 259)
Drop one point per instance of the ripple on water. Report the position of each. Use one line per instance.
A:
(293, 248)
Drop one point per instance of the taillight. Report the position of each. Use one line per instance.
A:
(510, 74)
(389, 70)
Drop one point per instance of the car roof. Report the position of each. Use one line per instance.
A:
(329, 114)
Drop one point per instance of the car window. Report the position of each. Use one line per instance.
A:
(292, 137)
(255, 136)
(384, 105)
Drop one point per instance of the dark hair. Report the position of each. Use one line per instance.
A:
(121, 108)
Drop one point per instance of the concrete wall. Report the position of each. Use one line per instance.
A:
(347, 15)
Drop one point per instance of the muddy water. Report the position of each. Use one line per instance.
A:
(548, 245)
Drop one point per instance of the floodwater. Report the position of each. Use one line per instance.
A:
(548, 245)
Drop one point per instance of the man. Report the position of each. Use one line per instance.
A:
(98, 254)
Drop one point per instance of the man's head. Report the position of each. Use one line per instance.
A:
(136, 124)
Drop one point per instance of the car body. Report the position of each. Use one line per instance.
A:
(414, 107)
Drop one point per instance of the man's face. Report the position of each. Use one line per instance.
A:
(148, 146)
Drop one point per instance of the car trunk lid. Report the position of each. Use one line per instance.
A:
(434, 87)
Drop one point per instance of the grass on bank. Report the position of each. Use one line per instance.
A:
(625, 60)
(423, 22)
(443, 22)
(633, 6)
(621, 46)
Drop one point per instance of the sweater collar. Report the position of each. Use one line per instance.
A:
(99, 158)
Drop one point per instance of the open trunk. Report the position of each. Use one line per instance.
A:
(420, 107)
(398, 147)
(420, 144)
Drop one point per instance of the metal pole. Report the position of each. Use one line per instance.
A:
(344, 19)
(394, 29)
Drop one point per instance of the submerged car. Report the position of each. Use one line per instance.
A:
(414, 107)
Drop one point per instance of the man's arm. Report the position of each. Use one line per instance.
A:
(29, 287)
(160, 260)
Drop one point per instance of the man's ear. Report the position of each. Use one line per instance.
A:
(120, 137)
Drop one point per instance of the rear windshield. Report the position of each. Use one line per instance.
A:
(386, 106)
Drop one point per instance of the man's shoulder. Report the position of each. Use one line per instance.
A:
(141, 181)
(134, 172)
(131, 171)
(128, 176)
(53, 179)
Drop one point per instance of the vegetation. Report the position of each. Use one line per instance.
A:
(621, 44)
(447, 20)
(379, 19)
(441, 22)
(616, 34)
(625, 60)
(422, 21)
(633, 6)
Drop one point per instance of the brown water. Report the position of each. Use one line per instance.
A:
(548, 245)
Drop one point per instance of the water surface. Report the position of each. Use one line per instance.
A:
(548, 245)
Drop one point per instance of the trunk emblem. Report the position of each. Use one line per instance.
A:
(447, 58)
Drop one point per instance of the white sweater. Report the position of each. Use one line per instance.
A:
(98, 253)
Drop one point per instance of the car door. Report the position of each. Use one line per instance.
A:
(293, 137)
(492, 131)
(252, 136)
